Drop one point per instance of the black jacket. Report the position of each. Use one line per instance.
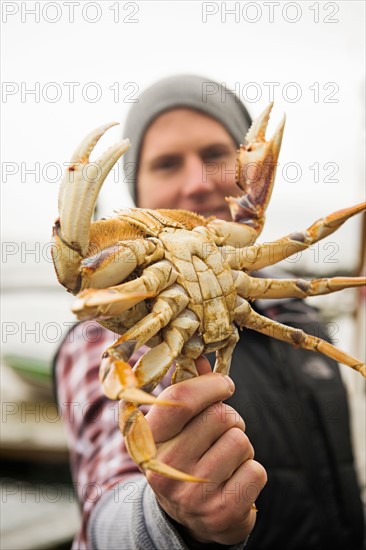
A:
(295, 408)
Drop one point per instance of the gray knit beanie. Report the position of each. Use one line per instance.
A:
(192, 91)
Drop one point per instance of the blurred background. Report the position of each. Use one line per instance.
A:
(68, 67)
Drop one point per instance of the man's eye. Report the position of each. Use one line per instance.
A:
(166, 164)
(214, 155)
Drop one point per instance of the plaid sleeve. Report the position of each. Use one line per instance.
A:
(98, 455)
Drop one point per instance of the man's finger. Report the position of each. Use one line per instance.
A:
(240, 493)
(197, 394)
(248, 480)
(229, 452)
(200, 434)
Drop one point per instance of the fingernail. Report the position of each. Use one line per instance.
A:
(230, 383)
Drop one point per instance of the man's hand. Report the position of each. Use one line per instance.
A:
(206, 439)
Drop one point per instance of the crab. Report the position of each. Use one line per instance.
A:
(177, 281)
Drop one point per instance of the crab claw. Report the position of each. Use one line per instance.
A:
(141, 446)
(81, 185)
(256, 169)
(105, 304)
(77, 197)
(119, 381)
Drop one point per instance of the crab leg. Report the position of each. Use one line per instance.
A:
(141, 446)
(256, 257)
(119, 381)
(110, 302)
(169, 303)
(245, 316)
(117, 377)
(251, 287)
(224, 354)
(113, 264)
(155, 363)
(186, 367)
(115, 374)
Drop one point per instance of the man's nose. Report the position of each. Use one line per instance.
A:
(199, 176)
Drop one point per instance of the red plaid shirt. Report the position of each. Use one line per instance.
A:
(99, 459)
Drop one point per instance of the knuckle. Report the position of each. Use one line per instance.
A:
(234, 416)
(182, 394)
(220, 413)
(223, 515)
(240, 442)
(258, 473)
(225, 389)
(215, 413)
(160, 484)
(189, 498)
(198, 394)
(176, 392)
(261, 473)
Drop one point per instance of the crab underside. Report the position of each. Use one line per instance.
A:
(178, 282)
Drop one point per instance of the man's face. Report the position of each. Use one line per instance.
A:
(187, 161)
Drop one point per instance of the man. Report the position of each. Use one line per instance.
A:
(292, 401)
